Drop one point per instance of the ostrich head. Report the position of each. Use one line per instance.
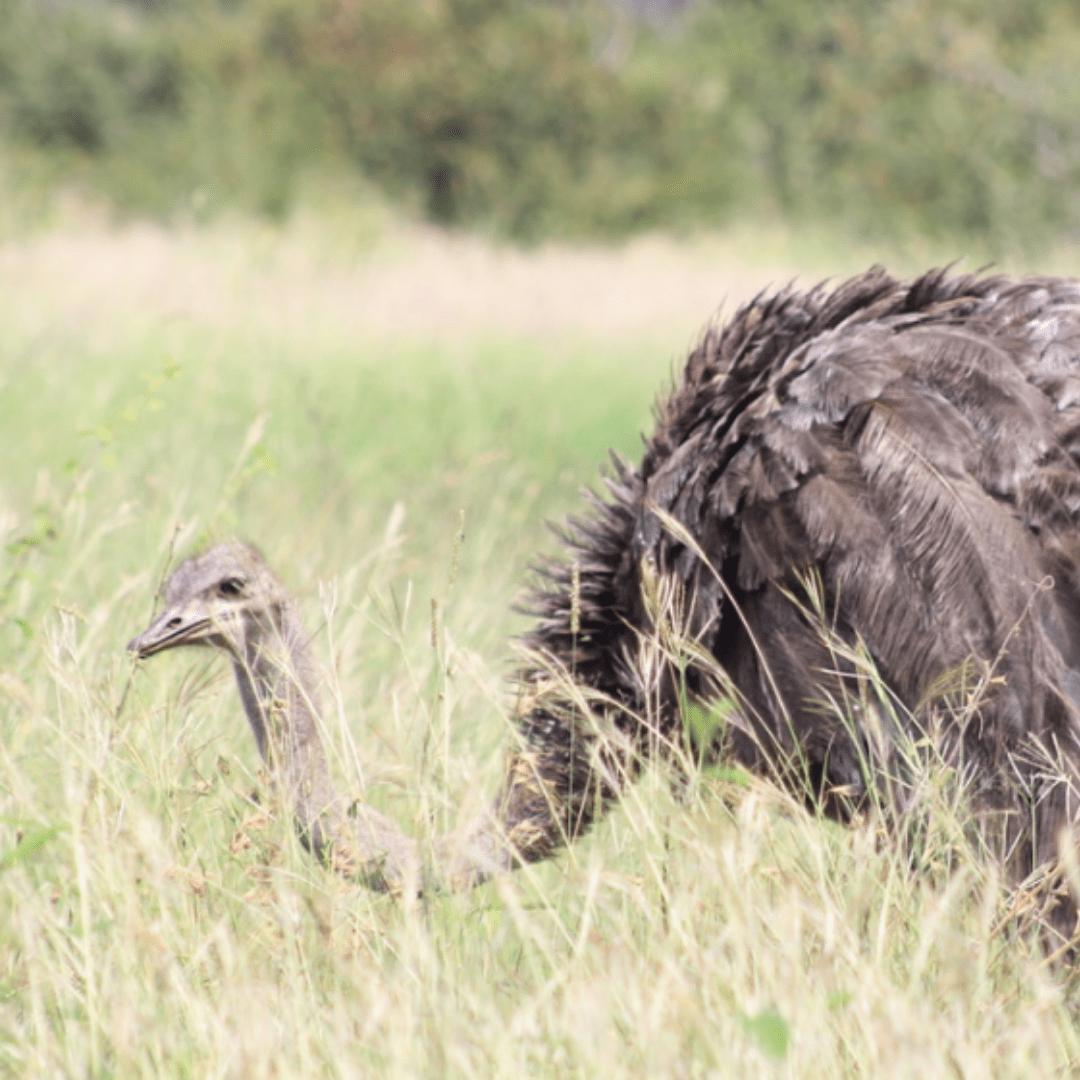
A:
(228, 598)
(224, 597)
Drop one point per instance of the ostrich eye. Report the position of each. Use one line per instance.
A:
(231, 587)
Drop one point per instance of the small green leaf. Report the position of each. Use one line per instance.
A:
(704, 724)
(729, 774)
(838, 999)
(263, 459)
(770, 1031)
(29, 846)
(23, 543)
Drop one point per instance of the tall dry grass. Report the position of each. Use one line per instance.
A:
(342, 400)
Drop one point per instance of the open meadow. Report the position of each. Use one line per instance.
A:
(391, 414)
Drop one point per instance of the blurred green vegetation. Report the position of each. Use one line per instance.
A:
(532, 118)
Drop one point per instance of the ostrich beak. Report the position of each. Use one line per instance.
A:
(187, 624)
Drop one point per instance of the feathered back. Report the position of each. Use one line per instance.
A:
(917, 446)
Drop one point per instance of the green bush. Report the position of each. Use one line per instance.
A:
(470, 111)
(489, 110)
(567, 117)
(945, 118)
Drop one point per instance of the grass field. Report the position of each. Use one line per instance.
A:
(347, 394)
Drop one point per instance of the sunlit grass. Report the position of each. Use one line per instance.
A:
(156, 920)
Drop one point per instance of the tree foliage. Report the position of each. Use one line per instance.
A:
(573, 117)
(947, 117)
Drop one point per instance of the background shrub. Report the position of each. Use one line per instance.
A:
(533, 118)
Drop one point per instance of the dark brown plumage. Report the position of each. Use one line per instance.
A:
(909, 450)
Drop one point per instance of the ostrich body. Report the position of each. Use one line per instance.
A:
(903, 458)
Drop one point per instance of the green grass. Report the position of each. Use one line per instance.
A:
(154, 922)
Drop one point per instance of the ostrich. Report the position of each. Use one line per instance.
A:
(879, 475)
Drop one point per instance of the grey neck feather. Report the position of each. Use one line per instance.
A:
(278, 687)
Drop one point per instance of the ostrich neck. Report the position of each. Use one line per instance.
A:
(277, 684)
(278, 687)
